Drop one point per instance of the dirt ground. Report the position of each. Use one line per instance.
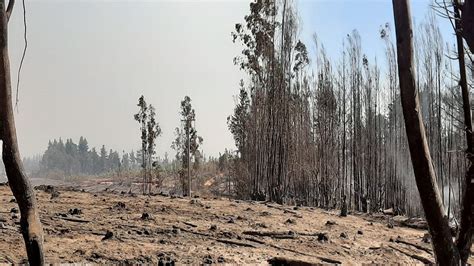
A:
(112, 228)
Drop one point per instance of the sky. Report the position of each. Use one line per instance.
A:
(88, 62)
(333, 20)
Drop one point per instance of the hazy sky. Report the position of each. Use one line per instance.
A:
(89, 61)
(333, 20)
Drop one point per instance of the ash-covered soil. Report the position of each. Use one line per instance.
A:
(105, 227)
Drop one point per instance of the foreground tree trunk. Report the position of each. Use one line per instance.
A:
(467, 22)
(445, 251)
(464, 240)
(19, 183)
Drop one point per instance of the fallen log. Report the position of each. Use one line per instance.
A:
(255, 240)
(192, 232)
(72, 219)
(189, 224)
(415, 223)
(285, 236)
(288, 261)
(225, 241)
(237, 243)
(329, 260)
(413, 256)
(323, 259)
(280, 235)
(375, 248)
(259, 233)
(281, 209)
(87, 232)
(399, 240)
(307, 234)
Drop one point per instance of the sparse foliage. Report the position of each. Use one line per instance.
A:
(150, 131)
(186, 145)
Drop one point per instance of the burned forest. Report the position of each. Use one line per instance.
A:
(280, 132)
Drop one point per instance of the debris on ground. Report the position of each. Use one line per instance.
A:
(75, 211)
(107, 228)
(108, 235)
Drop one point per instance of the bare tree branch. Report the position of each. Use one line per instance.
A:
(11, 3)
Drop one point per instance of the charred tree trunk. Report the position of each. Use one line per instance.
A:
(445, 251)
(19, 183)
(464, 240)
(467, 22)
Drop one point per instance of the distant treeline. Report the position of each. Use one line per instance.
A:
(68, 158)
(30, 164)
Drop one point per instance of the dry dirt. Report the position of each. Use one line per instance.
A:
(202, 230)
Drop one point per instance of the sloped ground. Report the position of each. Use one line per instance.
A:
(201, 231)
